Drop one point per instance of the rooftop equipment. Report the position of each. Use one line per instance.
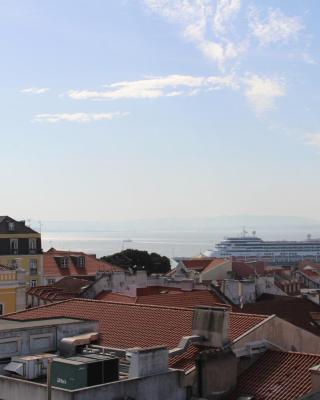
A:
(29, 367)
(82, 371)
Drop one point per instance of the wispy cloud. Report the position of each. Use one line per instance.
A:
(204, 23)
(35, 90)
(78, 117)
(226, 11)
(312, 139)
(275, 27)
(307, 58)
(155, 87)
(262, 92)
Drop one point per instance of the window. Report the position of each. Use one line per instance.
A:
(11, 226)
(51, 281)
(14, 246)
(64, 262)
(33, 283)
(81, 262)
(32, 245)
(13, 263)
(1, 309)
(33, 265)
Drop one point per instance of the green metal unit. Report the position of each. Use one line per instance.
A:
(68, 374)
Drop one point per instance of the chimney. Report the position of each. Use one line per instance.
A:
(212, 324)
(186, 285)
(315, 378)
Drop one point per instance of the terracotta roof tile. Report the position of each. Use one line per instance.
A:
(186, 360)
(92, 264)
(169, 298)
(292, 309)
(197, 263)
(129, 325)
(277, 376)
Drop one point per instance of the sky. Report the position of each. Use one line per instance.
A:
(137, 109)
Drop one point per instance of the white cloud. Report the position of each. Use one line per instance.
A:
(203, 24)
(276, 27)
(307, 58)
(155, 87)
(226, 10)
(313, 139)
(262, 92)
(35, 90)
(78, 117)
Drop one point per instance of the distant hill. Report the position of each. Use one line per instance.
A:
(236, 222)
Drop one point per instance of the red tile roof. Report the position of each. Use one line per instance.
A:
(129, 325)
(197, 263)
(116, 297)
(292, 309)
(92, 264)
(200, 264)
(66, 288)
(277, 376)
(186, 360)
(170, 298)
(214, 264)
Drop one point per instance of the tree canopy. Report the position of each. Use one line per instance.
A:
(152, 263)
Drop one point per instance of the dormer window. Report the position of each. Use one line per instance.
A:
(81, 262)
(11, 226)
(64, 262)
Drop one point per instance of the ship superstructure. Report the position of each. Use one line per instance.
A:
(278, 251)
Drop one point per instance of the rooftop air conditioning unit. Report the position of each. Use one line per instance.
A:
(29, 367)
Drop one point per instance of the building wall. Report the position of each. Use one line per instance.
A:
(8, 300)
(23, 261)
(219, 272)
(157, 387)
(12, 291)
(283, 334)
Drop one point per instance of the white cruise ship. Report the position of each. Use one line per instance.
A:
(278, 251)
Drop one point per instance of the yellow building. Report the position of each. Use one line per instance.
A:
(12, 290)
(21, 250)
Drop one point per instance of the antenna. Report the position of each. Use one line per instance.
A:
(40, 225)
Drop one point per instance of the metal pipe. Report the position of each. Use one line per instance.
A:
(49, 387)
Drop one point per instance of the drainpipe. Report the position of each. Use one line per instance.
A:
(49, 387)
(199, 372)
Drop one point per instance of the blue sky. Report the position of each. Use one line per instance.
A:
(159, 108)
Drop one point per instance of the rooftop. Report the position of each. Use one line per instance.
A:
(91, 265)
(292, 309)
(19, 226)
(277, 376)
(135, 325)
(202, 264)
(66, 288)
(167, 297)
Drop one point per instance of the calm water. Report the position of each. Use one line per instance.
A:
(168, 243)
